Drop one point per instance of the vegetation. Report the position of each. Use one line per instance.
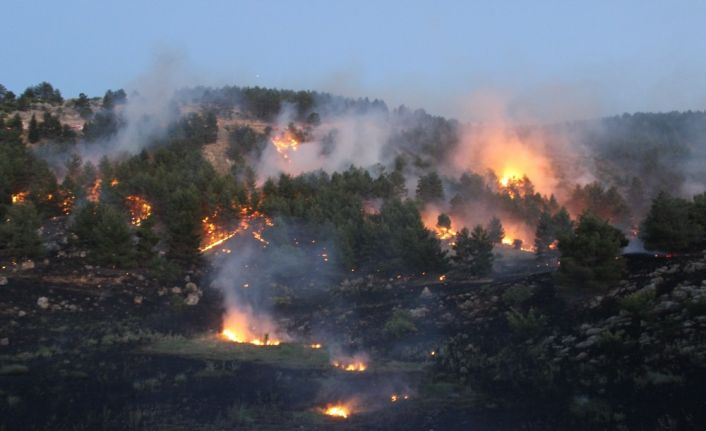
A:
(473, 253)
(674, 224)
(590, 256)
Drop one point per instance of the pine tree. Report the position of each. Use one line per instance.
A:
(18, 232)
(496, 231)
(473, 252)
(33, 131)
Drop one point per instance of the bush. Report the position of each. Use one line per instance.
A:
(638, 303)
(526, 325)
(399, 324)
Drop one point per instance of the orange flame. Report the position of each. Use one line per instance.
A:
(351, 365)
(215, 235)
(19, 197)
(139, 208)
(341, 411)
(285, 143)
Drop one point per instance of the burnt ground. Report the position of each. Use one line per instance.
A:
(115, 350)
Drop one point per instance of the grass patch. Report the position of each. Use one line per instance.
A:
(213, 348)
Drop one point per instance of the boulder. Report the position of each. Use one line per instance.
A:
(26, 265)
(43, 302)
(192, 299)
(3, 281)
(138, 299)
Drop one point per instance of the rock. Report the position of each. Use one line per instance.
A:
(419, 313)
(176, 290)
(26, 265)
(426, 293)
(666, 307)
(43, 302)
(137, 299)
(192, 299)
(3, 281)
(594, 331)
(593, 339)
(191, 287)
(82, 254)
(21, 313)
(4, 341)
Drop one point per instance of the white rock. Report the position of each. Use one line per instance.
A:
(27, 264)
(43, 302)
(192, 299)
(191, 287)
(176, 290)
(426, 293)
(137, 299)
(3, 281)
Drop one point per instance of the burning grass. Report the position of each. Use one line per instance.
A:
(340, 411)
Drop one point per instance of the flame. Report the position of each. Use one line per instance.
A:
(215, 235)
(337, 410)
(284, 144)
(94, 193)
(67, 203)
(354, 366)
(395, 397)
(430, 219)
(241, 325)
(114, 182)
(19, 197)
(514, 232)
(139, 208)
(315, 345)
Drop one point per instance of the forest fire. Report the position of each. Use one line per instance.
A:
(236, 336)
(215, 235)
(139, 208)
(19, 198)
(67, 204)
(284, 144)
(341, 411)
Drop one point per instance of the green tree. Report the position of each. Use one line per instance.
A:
(33, 131)
(495, 230)
(19, 232)
(443, 221)
(83, 106)
(430, 188)
(473, 252)
(670, 225)
(590, 256)
(105, 233)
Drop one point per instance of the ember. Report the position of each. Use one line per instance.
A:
(94, 193)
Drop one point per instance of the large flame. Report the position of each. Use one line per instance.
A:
(244, 326)
(285, 143)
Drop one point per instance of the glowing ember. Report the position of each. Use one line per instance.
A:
(67, 203)
(19, 197)
(139, 208)
(337, 410)
(114, 182)
(394, 397)
(284, 144)
(315, 346)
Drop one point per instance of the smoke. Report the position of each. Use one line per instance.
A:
(357, 139)
(150, 109)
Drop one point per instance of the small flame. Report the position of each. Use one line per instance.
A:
(315, 345)
(140, 209)
(355, 366)
(234, 336)
(395, 397)
(337, 410)
(19, 197)
(114, 182)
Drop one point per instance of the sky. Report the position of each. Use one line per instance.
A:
(542, 60)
